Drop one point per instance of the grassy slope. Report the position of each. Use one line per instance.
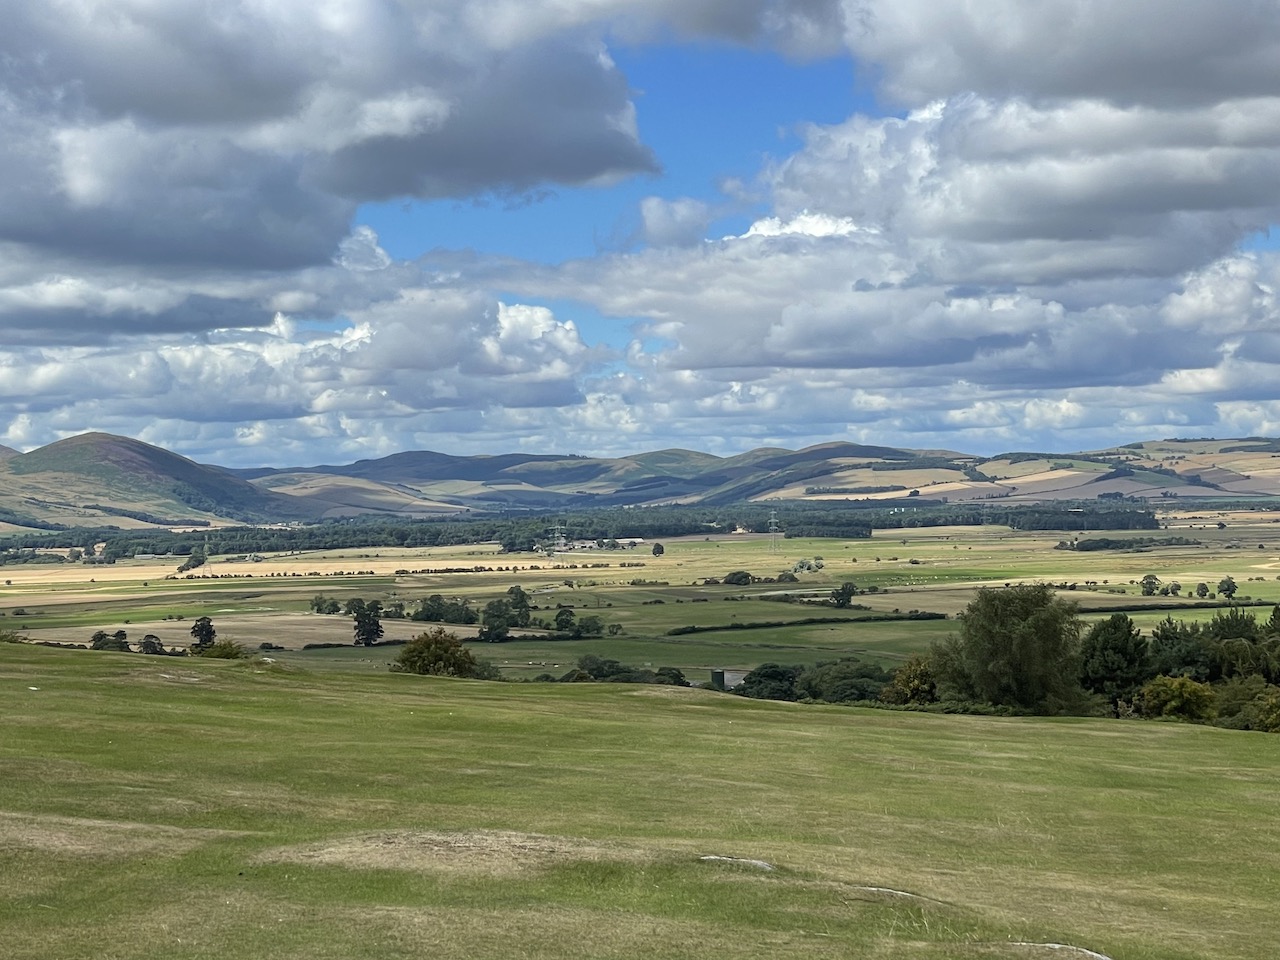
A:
(117, 471)
(153, 808)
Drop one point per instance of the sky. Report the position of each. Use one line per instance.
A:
(275, 232)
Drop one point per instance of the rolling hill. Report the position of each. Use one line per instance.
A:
(97, 479)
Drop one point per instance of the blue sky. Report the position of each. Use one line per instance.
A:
(297, 233)
(710, 111)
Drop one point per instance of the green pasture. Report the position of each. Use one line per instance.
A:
(189, 809)
(645, 596)
(695, 654)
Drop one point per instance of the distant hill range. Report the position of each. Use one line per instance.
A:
(97, 479)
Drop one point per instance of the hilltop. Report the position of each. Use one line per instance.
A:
(97, 479)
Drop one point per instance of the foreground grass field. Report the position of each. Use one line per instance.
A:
(157, 808)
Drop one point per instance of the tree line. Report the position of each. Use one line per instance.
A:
(1022, 649)
(852, 520)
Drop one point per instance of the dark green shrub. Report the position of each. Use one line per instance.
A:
(1177, 698)
(223, 649)
(440, 653)
(912, 683)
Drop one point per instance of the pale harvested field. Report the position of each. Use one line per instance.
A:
(382, 561)
(289, 630)
(1051, 479)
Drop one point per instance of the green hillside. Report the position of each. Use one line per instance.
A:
(90, 479)
(195, 810)
(98, 468)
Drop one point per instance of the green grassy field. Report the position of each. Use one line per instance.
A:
(189, 809)
(933, 569)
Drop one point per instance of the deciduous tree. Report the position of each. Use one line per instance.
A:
(519, 601)
(913, 682)
(202, 635)
(843, 595)
(151, 645)
(367, 621)
(117, 641)
(1177, 698)
(322, 604)
(440, 653)
(495, 621)
(1017, 647)
(770, 681)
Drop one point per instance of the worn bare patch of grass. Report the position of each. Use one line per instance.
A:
(497, 852)
(88, 837)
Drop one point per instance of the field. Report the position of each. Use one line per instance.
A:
(195, 809)
(317, 805)
(642, 596)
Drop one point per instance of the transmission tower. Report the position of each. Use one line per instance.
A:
(773, 531)
(555, 542)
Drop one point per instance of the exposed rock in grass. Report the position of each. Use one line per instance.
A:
(1077, 951)
(890, 892)
(740, 861)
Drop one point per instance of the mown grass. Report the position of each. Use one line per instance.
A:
(191, 809)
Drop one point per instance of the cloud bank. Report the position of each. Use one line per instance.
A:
(1039, 243)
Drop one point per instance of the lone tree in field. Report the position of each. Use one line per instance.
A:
(439, 653)
(565, 620)
(1227, 587)
(1017, 647)
(496, 621)
(367, 615)
(151, 644)
(202, 635)
(519, 600)
(843, 595)
(659, 549)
